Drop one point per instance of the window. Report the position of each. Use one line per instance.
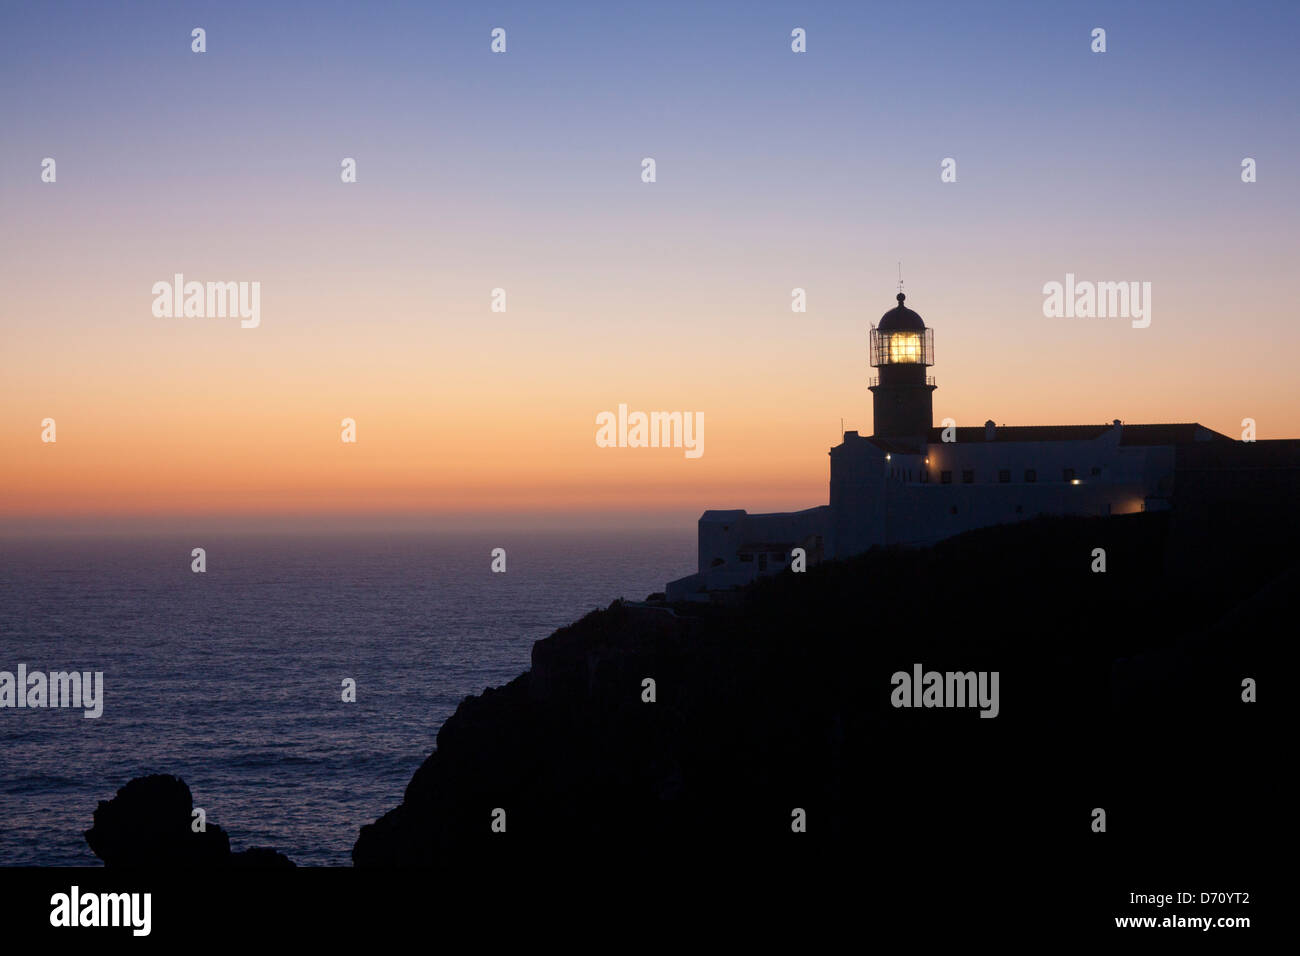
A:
(1020, 509)
(954, 509)
(968, 476)
(717, 563)
(945, 477)
(925, 476)
(778, 556)
(747, 558)
(1068, 474)
(762, 561)
(1031, 474)
(1004, 476)
(1095, 471)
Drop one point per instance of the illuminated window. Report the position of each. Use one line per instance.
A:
(904, 347)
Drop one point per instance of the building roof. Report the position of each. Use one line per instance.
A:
(1164, 434)
(1169, 434)
(901, 319)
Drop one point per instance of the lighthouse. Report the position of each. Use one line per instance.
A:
(902, 348)
(912, 484)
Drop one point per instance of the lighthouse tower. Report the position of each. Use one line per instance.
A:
(902, 348)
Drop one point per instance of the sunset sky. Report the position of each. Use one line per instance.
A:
(522, 171)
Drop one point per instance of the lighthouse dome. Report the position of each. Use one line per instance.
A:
(901, 319)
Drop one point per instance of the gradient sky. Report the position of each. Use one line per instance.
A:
(522, 171)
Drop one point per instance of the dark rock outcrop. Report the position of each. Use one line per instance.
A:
(149, 823)
(784, 703)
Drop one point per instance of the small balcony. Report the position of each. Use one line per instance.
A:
(874, 380)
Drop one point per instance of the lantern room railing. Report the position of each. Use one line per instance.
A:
(874, 380)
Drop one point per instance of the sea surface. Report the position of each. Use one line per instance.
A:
(232, 679)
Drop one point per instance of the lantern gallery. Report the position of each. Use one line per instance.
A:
(947, 689)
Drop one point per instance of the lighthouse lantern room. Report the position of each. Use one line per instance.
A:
(902, 348)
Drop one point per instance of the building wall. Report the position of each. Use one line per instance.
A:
(1249, 491)
(924, 514)
(858, 502)
(720, 535)
(879, 500)
(723, 533)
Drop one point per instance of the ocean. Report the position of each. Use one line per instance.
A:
(233, 679)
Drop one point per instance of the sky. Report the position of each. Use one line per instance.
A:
(522, 171)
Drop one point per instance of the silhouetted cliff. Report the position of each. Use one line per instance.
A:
(1114, 687)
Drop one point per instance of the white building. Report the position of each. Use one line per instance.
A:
(911, 483)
